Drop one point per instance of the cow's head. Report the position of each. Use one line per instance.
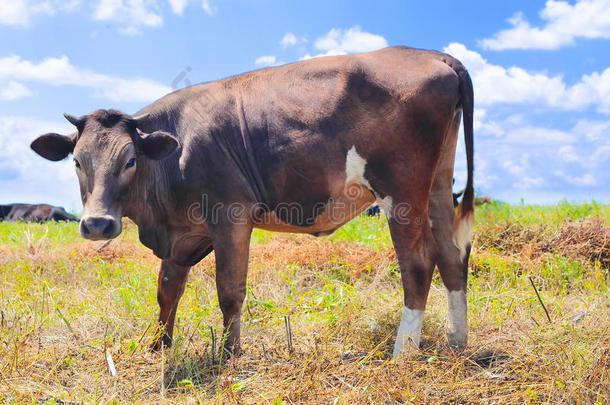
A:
(108, 148)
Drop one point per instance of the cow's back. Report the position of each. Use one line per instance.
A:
(313, 112)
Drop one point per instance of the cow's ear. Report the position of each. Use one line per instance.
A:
(158, 145)
(54, 146)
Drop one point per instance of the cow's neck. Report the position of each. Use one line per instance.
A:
(149, 202)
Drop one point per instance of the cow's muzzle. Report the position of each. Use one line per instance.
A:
(99, 227)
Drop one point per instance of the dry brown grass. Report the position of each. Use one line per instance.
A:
(63, 305)
(585, 239)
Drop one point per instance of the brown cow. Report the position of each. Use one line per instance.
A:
(35, 213)
(302, 147)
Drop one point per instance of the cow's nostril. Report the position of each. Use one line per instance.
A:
(85, 230)
(109, 229)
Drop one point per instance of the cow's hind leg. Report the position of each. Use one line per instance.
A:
(170, 287)
(453, 268)
(416, 253)
(453, 249)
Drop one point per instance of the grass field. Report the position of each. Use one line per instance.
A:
(64, 305)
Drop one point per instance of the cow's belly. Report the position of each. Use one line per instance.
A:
(353, 199)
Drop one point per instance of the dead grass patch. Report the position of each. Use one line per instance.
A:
(584, 239)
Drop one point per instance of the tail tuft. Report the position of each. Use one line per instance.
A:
(462, 231)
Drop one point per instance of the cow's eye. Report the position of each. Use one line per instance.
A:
(76, 164)
(131, 163)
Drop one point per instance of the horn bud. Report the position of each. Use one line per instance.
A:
(74, 120)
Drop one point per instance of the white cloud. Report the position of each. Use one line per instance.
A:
(60, 72)
(596, 133)
(496, 84)
(593, 130)
(586, 179)
(133, 15)
(533, 135)
(564, 23)
(532, 182)
(267, 60)
(67, 5)
(14, 90)
(486, 178)
(567, 154)
(130, 14)
(523, 172)
(289, 39)
(600, 157)
(517, 168)
(178, 6)
(539, 163)
(489, 127)
(22, 12)
(207, 7)
(352, 40)
(593, 88)
(319, 55)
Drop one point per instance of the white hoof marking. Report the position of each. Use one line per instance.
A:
(409, 332)
(457, 329)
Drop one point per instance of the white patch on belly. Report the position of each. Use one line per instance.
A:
(354, 169)
(457, 328)
(355, 166)
(409, 332)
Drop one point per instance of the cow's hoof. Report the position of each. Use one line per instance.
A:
(406, 352)
(229, 352)
(164, 341)
(457, 341)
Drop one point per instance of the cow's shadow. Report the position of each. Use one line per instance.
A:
(489, 358)
(434, 347)
(477, 357)
(185, 370)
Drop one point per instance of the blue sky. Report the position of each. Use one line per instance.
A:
(541, 72)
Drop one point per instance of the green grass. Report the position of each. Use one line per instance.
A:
(540, 214)
(369, 231)
(19, 233)
(62, 305)
(372, 232)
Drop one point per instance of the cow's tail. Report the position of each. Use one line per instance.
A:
(462, 224)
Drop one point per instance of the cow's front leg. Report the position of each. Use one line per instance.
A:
(231, 246)
(171, 283)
